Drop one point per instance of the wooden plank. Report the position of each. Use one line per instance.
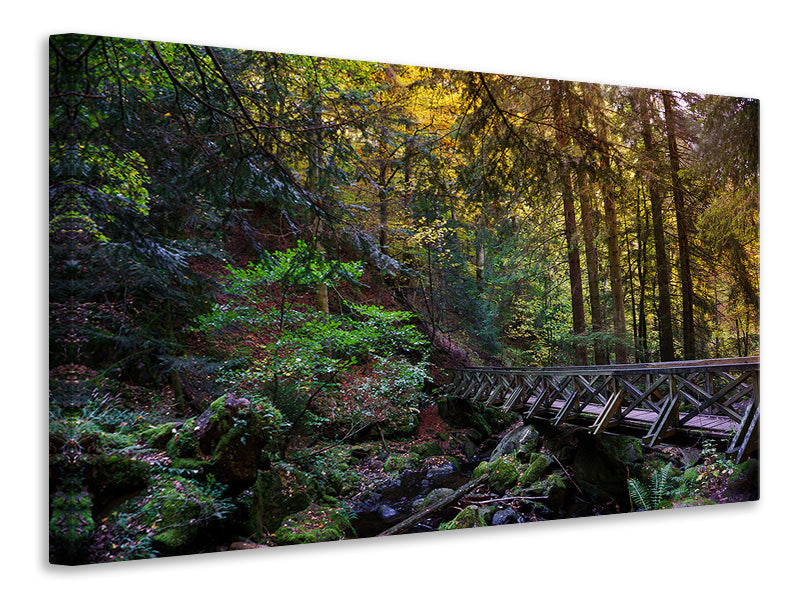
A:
(568, 406)
(668, 413)
(604, 418)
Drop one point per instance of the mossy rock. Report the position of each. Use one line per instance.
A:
(689, 502)
(184, 442)
(522, 440)
(115, 441)
(71, 527)
(314, 525)
(466, 519)
(401, 462)
(158, 436)
(181, 512)
(536, 468)
(113, 476)
(504, 472)
(435, 495)
(427, 449)
(745, 477)
(275, 495)
(234, 432)
(604, 463)
(552, 488)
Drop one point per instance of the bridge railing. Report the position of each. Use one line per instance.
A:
(717, 397)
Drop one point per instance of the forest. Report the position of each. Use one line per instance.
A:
(262, 265)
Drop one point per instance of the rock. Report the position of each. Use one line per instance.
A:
(435, 495)
(113, 476)
(275, 495)
(183, 511)
(317, 525)
(387, 514)
(401, 462)
(427, 449)
(158, 436)
(231, 433)
(467, 518)
(537, 467)
(603, 464)
(504, 472)
(506, 516)
(244, 546)
(521, 439)
(553, 489)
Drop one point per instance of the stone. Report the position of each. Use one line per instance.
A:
(387, 514)
(603, 464)
(506, 516)
(314, 525)
(537, 467)
(524, 438)
(274, 495)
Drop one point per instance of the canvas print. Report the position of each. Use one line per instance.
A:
(298, 299)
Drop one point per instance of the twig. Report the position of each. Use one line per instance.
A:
(572, 481)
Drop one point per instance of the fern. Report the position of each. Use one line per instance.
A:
(640, 496)
(649, 497)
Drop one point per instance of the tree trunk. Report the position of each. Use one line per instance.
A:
(570, 230)
(615, 267)
(664, 311)
(590, 250)
(321, 288)
(687, 300)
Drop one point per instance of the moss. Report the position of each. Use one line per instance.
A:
(275, 494)
(158, 436)
(427, 449)
(744, 475)
(553, 488)
(184, 443)
(115, 441)
(435, 495)
(316, 525)
(469, 517)
(504, 472)
(180, 511)
(71, 526)
(112, 476)
(401, 462)
(538, 465)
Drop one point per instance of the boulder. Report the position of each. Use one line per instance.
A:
(435, 495)
(112, 476)
(506, 516)
(523, 439)
(604, 463)
(231, 434)
(314, 525)
(537, 467)
(275, 494)
(182, 512)
(504, 472)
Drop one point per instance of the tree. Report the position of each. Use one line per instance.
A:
(684, 260)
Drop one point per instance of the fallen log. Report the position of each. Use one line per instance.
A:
(420, 516)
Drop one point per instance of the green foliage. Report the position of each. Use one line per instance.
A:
(653, 494)
(299, 266)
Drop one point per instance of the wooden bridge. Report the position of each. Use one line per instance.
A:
(716, 398)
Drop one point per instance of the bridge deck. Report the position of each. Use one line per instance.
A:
(717, 398)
